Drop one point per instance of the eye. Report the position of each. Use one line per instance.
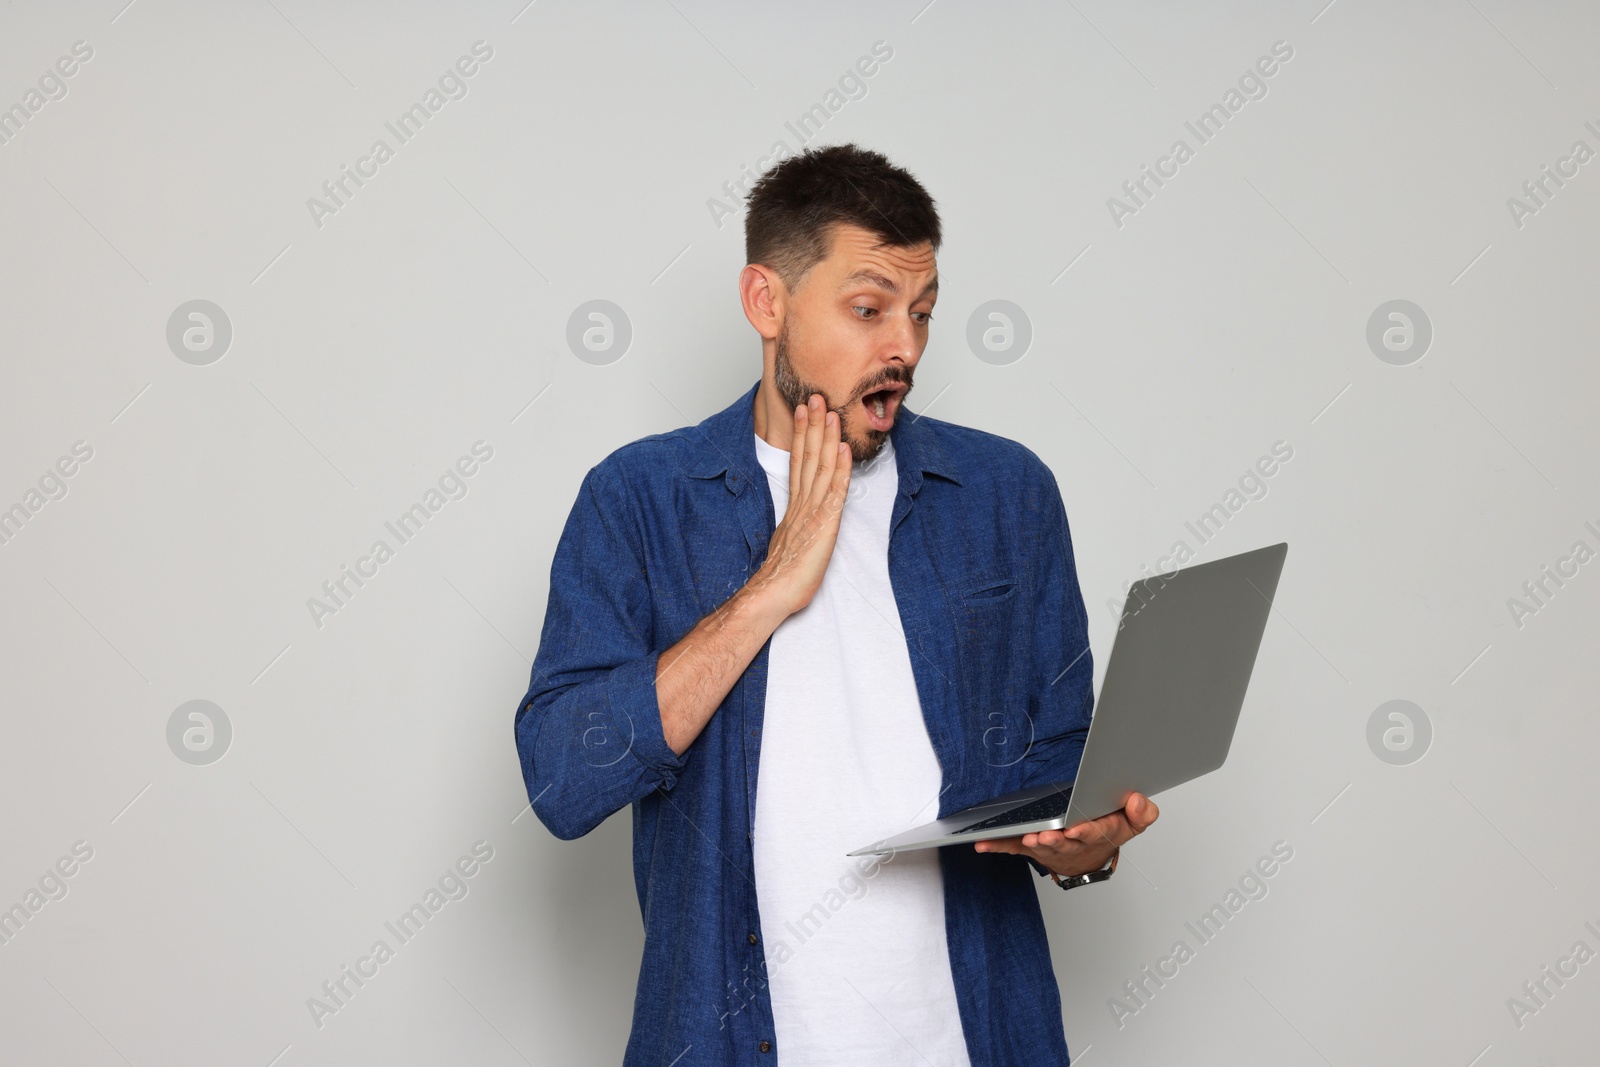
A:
(926, 317)
(869, 311)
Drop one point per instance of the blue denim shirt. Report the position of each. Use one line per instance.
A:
(666, 529)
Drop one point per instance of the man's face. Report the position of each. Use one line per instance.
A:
(854, 331)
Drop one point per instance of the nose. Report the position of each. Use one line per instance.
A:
(901, 344)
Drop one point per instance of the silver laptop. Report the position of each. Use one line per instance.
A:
(1185, 648)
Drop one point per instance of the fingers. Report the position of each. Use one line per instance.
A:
(833, 466)
(797, 453)
(1001, 844)
(1142, 811)
(840, 488)
(827, 461)
(1086, 838)
(1112, 830)
(819, 464)
(811, 444)
(1120, 826)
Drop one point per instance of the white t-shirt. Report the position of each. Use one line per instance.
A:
(857, 956)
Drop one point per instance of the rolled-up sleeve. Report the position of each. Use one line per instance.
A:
(588, 731)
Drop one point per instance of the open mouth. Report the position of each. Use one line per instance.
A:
(881, 406)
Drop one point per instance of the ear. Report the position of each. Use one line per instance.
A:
(762, 293)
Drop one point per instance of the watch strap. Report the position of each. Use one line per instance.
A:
(1075, 880)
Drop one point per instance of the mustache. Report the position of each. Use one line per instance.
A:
(890, 376)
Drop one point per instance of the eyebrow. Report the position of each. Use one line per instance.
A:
(872, 277)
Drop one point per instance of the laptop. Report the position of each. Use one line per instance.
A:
(1185, 648)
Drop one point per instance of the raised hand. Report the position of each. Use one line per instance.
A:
(819, 481)
(695, 674)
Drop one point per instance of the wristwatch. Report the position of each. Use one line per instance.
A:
(1074, 881)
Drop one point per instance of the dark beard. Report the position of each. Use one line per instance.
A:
(796, 392)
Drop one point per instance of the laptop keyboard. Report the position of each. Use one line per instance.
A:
(1043, 808)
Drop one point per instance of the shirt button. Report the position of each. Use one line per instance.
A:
(752, 939)
(765, 1046)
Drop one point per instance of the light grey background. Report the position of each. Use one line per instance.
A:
(430, 312)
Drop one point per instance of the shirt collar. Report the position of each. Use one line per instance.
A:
(731, 450)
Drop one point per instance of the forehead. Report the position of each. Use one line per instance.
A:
(854, 248)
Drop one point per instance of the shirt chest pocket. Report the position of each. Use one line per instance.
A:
(986, 609)
(993, 640)
(987, 591)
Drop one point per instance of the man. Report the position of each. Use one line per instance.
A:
(810, 622)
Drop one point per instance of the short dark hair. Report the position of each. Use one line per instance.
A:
(793, 208)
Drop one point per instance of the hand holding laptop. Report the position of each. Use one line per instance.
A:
(1185, 649)
(1084, 846)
